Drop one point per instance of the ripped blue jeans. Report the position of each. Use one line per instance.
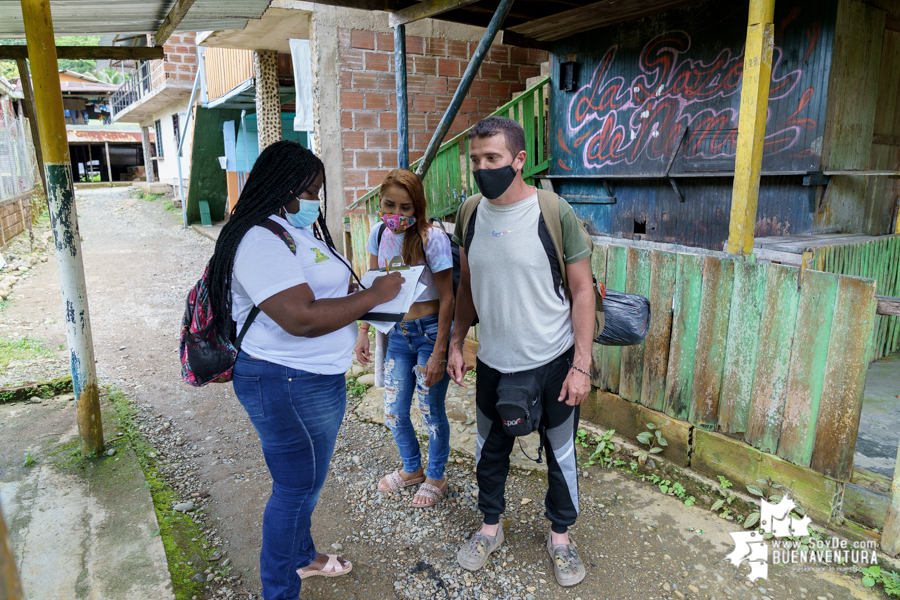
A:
(410, 344)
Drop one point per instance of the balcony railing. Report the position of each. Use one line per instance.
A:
(148, 77)
(449, 180)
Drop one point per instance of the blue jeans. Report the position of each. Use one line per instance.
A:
(410, 344)
(297, 416)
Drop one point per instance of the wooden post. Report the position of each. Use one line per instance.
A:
(61, 199)
(90, 160)
(890, 535)
(400, 84)
(25, 77)
(10, 584)
(751, 126)
(108, 164)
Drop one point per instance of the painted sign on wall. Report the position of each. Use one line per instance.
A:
(669, 86)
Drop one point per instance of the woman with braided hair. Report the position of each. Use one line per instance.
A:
(276, 253)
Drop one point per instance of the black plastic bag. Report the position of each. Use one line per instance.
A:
(627, 319)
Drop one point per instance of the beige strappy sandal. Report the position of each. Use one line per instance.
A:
(432, 493)
(332, 568)
(394, 482)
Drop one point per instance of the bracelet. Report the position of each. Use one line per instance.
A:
(361, 328)
(571, 366)
(437, 360)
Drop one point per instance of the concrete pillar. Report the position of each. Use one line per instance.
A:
(148, 156)
(64, 219)
(268, 98)
(329, 144)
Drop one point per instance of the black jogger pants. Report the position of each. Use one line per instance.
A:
(493, 447)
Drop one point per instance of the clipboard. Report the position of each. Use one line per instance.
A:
(384, 315)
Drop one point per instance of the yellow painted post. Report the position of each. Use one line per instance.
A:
(751, 126)
(10, 584)
(63, 217)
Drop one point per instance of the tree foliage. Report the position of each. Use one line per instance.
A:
(9, 70)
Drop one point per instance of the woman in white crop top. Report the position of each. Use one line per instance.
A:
(416, 355)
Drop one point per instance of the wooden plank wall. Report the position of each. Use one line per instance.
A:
(878, 259)
(746, 349)
(226, 68)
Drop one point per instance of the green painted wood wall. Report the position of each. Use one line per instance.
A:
(877, 259)
(746, 349)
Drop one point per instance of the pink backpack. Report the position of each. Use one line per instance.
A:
(208, 356)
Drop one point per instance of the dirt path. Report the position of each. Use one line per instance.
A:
(636, 542)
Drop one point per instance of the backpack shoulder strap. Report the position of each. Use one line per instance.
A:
(281, 233)
(381, 229)
(464, 219)
(550, 209)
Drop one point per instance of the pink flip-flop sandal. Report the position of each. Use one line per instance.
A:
(332, 568)
(395, 482)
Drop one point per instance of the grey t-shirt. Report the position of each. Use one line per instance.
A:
(523, 322)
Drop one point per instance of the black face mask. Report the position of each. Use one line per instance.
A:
(494, 182)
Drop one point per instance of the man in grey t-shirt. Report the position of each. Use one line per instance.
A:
(527, 322)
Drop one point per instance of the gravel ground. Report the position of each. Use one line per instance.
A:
(636, 542)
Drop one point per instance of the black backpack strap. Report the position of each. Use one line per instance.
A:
(381, 229)
(470, 230)
(550, 249)
(281, 233)
(250, 318)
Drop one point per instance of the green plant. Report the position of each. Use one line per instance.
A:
(889, 579)
(581, 437)
(773, 493)
(356, 390)
(690, 501)
(723, 504)
(654, 441)
(29, 460)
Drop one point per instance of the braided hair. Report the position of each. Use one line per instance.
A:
(281, 173)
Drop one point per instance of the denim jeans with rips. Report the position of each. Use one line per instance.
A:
(410, 344)
(297, 416)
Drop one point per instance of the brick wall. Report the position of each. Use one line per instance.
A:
(180, 63)
(434, 69)
(14, 213)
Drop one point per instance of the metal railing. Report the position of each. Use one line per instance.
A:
(138, 85)
(449, 180)
(17, 163)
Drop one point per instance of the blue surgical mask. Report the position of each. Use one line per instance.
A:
(306, 216)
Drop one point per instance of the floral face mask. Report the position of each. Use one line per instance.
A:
(397, 223)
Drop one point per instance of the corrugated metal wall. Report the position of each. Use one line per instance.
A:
(660, 95)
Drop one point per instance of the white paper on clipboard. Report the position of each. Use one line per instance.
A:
(411, 289)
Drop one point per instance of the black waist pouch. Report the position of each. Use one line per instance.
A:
(519, 403)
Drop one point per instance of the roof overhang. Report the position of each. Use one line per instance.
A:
(243, 97)
(530, 23)
(271, 32)
(132, 16)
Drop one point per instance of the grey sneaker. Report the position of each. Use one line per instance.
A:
(475, 552)
(567, 565)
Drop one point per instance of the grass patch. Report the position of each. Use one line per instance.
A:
(4, 304)
(170, 206)
(25, 348)
(146, 196)
(45, 389)
(182, 538)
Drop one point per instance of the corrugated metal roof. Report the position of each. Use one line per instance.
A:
(80, 17)
(81, 136)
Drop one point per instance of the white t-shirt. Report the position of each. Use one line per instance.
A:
(264, 266)
(524, 322)
(438, 256)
